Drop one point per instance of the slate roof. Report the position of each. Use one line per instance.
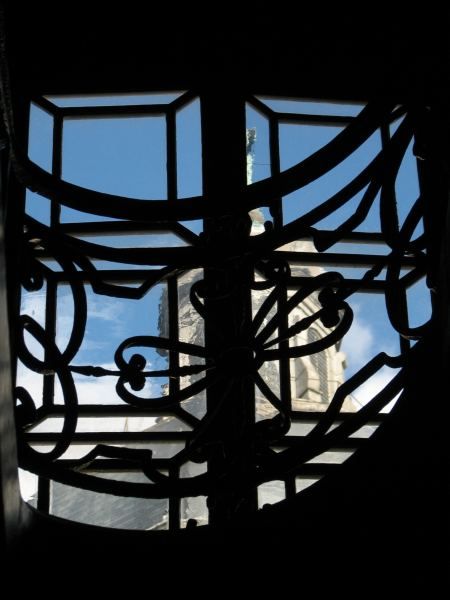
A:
(117, 511)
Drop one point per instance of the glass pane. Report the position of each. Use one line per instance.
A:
(331, 457)
(69, 215)
(301, 483)
(297, 142)
(189, 151)
(407, 184)
(37, 207)
(136, 240)
(194, 509)
(302, 201)
(419, 303)
(40, 137)
(271, 493)
(107, 510)
(123, 156)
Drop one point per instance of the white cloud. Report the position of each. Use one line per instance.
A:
(358, 343)
(100, 308)
(104, 308)
(372, 386)
(33, 304)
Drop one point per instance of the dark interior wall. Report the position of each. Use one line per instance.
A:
(392, 496)
(338, 50)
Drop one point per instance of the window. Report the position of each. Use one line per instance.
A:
(187, 327)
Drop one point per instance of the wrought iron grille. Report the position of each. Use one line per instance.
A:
(203, 417)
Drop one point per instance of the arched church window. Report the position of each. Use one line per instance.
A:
(301, 378)
(320, 363)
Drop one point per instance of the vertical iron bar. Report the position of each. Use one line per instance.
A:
(289, 487)
(228, 298)
(48, 390)
(56, 165)
(174, 359)
(43, 495)
(276, 209)
(174, 503)
(277, 214)
(285, 366)
(172, 297)
(402, 298)
(52, 288)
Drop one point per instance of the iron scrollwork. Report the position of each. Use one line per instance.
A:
(270, 335)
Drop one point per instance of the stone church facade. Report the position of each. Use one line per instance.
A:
(314, 379)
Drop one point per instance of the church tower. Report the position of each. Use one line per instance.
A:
(314, 378)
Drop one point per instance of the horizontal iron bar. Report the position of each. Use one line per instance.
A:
(110, 275)
(124, 466)
(105, 464)
(121, 227)
(188, 255)
(104, 410)
(339, 259)
(100, 411)
(165, 437)
(96, 437)
(127, 275)
(362, 237)
(125, 110)
(124, 228)
(375, 287)
(185, 255)
(305, 119)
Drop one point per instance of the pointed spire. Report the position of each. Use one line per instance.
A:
(255, 214)
(251, 139)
